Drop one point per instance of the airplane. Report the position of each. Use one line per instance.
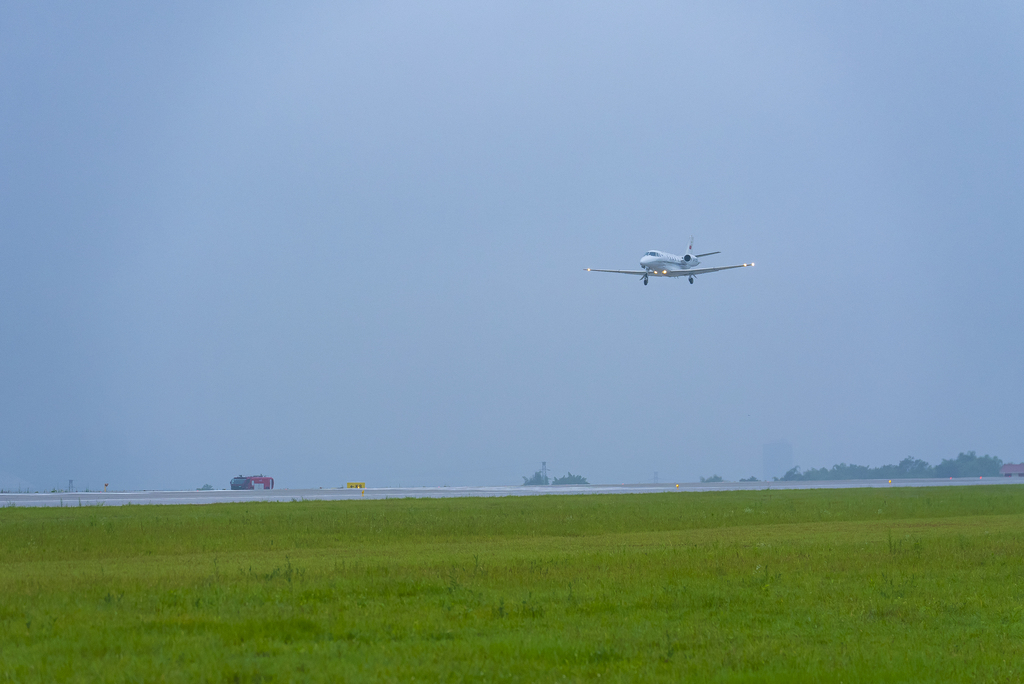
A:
(665, 265)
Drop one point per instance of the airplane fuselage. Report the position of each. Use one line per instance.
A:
(665, 264)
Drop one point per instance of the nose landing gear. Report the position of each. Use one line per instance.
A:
(644, 278)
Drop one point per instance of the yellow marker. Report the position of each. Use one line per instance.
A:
(677, 486)
(356, 485)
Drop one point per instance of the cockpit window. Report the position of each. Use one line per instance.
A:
(652, 254)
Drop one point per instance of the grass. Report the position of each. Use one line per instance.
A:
(821, 585)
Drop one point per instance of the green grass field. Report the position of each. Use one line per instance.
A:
(829, 585)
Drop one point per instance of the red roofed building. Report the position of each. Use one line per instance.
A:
(1012, 470)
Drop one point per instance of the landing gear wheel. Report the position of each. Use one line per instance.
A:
(645, 280)
(691, 280)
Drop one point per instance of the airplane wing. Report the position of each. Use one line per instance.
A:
(698, 271)
(680, 272)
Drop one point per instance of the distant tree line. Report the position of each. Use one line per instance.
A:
(539, 478)
(964, 465)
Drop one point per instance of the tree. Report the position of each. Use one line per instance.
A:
(749, 479)
(791, 474)
(914, 467)
(570, 479)
(538, 478)
(713, 478)
(969, 465)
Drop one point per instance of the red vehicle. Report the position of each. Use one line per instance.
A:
(252, 482)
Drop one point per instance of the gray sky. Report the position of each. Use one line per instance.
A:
(347, 243)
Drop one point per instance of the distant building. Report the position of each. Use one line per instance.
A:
(778, 459)
(1012, 470)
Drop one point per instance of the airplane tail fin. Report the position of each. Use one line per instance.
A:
(689, 250)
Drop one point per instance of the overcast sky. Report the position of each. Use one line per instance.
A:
(337, 242)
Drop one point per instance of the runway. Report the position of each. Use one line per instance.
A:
(150, 497)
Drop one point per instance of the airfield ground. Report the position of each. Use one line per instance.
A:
(176, 498)
(848, 585)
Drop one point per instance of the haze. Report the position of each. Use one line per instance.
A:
(332, 243)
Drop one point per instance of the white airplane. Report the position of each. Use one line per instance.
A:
(665, 265)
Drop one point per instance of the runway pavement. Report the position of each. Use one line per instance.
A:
(338, 494)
